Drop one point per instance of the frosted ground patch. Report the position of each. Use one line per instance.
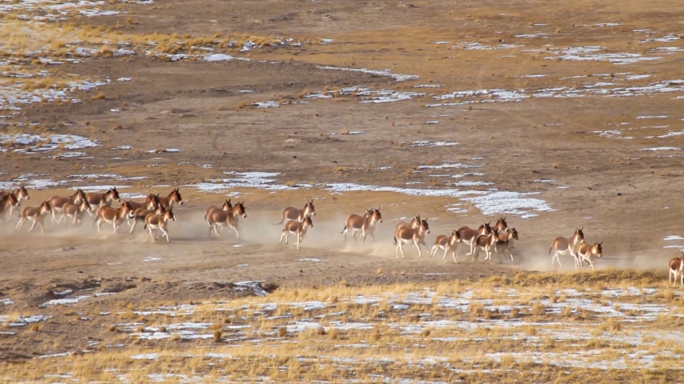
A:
(13, 96)
(484, 331)
(586, 89)
(490, 201)
(31, 143)
(598, 53)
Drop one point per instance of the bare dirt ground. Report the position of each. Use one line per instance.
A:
(557, 116)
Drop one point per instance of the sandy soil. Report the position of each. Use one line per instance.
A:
(557, 117)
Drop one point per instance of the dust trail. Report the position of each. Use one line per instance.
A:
(259, 229)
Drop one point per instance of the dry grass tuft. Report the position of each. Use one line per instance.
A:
(538, 309)
(530, 330)
(282, 331)
(514, 313)
(217, 335)
(611, 325)
(567, 311)
(475, 308)
(669, 294)
(333, 334)
(107, 51)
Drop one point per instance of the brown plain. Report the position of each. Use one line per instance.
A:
(626, 197)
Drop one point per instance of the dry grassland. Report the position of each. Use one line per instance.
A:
(577, 327)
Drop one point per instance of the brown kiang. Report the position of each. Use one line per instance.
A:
(116, 216)
(173, 197)
(220, 218)
(57, 202)
(227, 206)
(20, 194)
(99, 199)
(365, 224)
(469, 236)
(140, 215)
(563, 246)
(8, 202)
(676, 268)
(75, 211)
(296, 214)
(416, 236)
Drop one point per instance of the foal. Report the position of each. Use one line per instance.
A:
(140, 214)
(56, 202)
(154, 222)
(297, 228)
(447, 243)
(76, 211)
(34, 214)
(586, 252)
